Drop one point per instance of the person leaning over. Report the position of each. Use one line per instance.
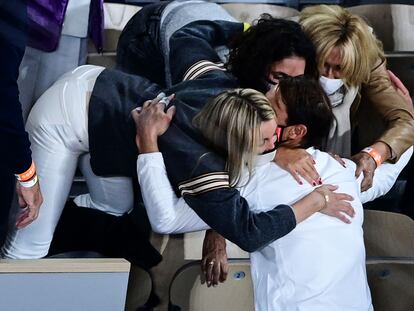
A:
(373, 122)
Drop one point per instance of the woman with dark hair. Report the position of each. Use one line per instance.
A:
(144, 48)
(255, 58)
(321, 264)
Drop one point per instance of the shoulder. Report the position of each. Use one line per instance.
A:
(330, 170)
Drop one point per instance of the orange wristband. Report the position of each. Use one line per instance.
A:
(27, 175)
(374, 154)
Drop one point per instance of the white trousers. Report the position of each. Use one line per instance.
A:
(58, 131)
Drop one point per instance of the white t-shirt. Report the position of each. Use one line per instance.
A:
(320, 265)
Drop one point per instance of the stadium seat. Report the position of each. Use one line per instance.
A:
(389, 242)
(388, 235)
(392, 284)
(116, 16)
(393, 24)
(139, 288)
(187, 292)
(248, 12)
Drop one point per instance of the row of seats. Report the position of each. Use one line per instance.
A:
(389, 240)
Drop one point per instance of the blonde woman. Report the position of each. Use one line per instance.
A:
(238, 124)
(241, 124)
(353, 74)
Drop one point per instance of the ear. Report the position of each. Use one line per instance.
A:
(301, 130)
(296, 132)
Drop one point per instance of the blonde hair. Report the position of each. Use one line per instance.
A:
(231, 124)
(330, 26)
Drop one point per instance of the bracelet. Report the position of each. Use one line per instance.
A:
(30, 183)
(374, 154)
(325, 197)
(27, 175)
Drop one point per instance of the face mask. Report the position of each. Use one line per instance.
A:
(330, 86)
(279, 134)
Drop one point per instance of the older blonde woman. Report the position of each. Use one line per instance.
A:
(353, 73)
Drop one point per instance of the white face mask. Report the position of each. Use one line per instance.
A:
(330, 86)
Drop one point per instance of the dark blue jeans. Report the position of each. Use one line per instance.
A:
(138, 49)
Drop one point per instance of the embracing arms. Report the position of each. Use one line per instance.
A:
(229, 214)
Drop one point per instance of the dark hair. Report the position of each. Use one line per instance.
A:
(307, 104)
(268, 41)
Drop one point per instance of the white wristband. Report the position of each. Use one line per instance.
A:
(30, 183)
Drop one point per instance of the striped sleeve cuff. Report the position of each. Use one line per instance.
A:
(204, 183)
(201, 68)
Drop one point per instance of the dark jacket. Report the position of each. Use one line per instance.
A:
(15, 156)
(195, 171)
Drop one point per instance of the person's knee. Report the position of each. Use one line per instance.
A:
(36, 250)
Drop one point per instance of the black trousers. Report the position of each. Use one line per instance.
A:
(82, 229)
(6, 195)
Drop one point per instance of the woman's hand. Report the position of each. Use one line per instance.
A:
(299, 164)
(151, 122)
(400, 88)
(336, 204)
(337, 158)
(214, 263)
(366, 164)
